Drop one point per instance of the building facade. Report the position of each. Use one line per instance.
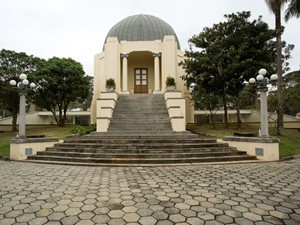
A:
(139, 53)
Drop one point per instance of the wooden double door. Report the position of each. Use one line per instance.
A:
(141, 80)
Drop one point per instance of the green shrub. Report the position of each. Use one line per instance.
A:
(78, 130)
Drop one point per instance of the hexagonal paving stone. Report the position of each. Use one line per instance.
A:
(44, 212)
(86, 215)
(195, 220)
(131, 217)
(130, 209)
(25, 217)
(176, 218)
(116, 214)
(14, 214)
(60, 208)
(85, 222)
(224, 219)
(160, 215)
(147, 220)
(182, 206)
(73, 211)
(8, 221)
(233, 213)
(206, 216)
(116, 221)
(243, 221)
(38, 221)
(144, 212)
(56, 216)
(164, 222)
(70, 220)
(88, 208)
(101, 219)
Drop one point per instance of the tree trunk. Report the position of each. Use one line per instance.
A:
(60, 116)
(280, 92)
(54, 115)
(238, 113)
(225, 110)
(14, 119)
(65, 116)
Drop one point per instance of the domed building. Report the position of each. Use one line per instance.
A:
(139, 53)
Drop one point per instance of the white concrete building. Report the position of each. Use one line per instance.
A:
(139, 53)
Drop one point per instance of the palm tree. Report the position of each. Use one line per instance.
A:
(275, 6)
(292, 10)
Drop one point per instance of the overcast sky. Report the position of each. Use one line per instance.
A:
(77, 28)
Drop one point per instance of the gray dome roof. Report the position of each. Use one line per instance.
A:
(141, 28)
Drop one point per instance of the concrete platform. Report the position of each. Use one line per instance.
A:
(252, 193)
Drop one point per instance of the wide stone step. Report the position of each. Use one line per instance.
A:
(141, 155)
(143, 160)
(141, 134)
(141, 146)
(140, 151)
(90, 139)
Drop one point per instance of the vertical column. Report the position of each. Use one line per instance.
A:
(125, 73)
(22, 116)
(156, 73)
(264, 114)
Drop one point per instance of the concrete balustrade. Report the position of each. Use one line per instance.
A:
(266, 149)
(176, 109)
(105, 107)
(20, 149)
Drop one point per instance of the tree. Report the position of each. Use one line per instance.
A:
(293, 10)
(60, 82)
(223, 56)
(291, 97)
(206, 101)
(275, 6)
(12, 64)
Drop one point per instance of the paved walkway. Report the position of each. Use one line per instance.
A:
(259, 193)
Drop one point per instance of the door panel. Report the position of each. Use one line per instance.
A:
(140, 80)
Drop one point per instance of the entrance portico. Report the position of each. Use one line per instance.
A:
(140, 72)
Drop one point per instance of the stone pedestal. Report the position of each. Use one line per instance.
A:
(21, 148)
(263, 148)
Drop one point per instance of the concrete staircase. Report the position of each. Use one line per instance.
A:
(140, 133)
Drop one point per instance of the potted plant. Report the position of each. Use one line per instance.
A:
(170, 83)
(110, 85)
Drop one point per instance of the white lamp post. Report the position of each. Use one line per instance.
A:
(261, 85)
(22, 88)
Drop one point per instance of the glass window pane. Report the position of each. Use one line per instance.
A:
(137, 82)
(137, 77)
(144, 71)
(137, 71)
(144, 82)
(144, 77)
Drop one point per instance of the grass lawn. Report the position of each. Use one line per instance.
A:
(48, 131)
(288, 145)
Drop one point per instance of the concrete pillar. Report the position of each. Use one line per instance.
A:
(156, 73)
(125, 73)
(264, 125)
(22, 116)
